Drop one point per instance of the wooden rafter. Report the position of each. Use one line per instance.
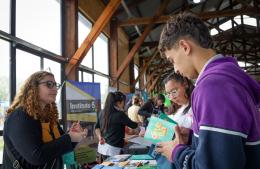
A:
(155, 81)
(132, 4)
(204, 15)
(145, 67)
(152, 74)
(147, 30)
(92, 36)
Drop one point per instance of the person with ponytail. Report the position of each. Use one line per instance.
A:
(32, 136)
(178, 89)
(110, 126)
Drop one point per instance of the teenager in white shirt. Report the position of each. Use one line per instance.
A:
(179, 89)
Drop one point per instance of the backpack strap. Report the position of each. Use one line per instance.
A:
(16, 164)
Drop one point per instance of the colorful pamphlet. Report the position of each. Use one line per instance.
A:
(159, 130)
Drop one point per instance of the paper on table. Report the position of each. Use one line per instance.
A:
(139, 140)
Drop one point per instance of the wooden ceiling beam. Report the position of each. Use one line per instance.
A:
(145, 67)
(155, 81)
(132, 4)
(246, 36)
(204, 15)
(139, 42)
(92, 36)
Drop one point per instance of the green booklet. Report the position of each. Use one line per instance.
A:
(165, 117)
(159, 130)
(141, 157)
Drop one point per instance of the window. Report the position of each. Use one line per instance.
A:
(103, 88)
(136, 70)
(226, 25)
(101, 54)
(97, 56)
(40, 24)
(1, 149)
(5, 15)
(53, 67)
(213, 32)
(4, 87)
(26, 64)
(4, 78)
(87, 77)
(249, 20)
(84, 27)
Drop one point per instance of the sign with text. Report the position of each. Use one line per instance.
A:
(82, 101)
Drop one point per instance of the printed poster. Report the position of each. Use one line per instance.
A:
(83, 101)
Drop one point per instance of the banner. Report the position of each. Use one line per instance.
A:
(82, 101)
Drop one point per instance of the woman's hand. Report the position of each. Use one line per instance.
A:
(76, 127)
(101, 140)
(77, 136)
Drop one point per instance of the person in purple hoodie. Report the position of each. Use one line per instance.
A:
(225, 102)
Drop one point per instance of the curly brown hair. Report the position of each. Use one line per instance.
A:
(184, 25)
(28, 99)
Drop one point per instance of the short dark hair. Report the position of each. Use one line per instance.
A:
(184, 25)
(160, 97)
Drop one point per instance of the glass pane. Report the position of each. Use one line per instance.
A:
(4, 79)
(5, 15)
(136, 71)
(101, 54)
(54, 67)
(103, 88)
(1, 149)
(249, 20)
(80, 75)
(39, 24)
(87, 77)
(84, 27)
(26, 64)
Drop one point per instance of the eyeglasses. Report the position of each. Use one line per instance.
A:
(51, 84)
(174, 93)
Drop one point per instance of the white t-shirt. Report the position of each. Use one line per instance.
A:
(133, 114)
(183, 120)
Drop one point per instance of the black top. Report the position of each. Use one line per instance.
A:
(23, 136)
(115, 133)
(148, 109)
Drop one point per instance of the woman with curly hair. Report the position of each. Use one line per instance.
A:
(32, 136)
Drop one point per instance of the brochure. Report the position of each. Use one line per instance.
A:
(159, 130)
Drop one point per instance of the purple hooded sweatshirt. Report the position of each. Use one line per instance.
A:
(226, 122)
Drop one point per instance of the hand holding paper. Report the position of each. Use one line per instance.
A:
(166, 148)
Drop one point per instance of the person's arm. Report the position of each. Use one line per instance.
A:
(223, 129)
(98, 132)
(26, 137)
(100, 138)
(123, 118)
